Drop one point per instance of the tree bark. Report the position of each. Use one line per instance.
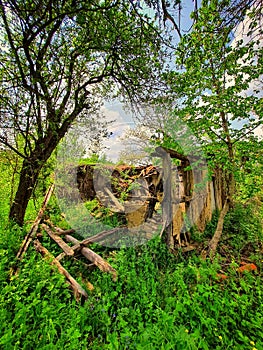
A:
(31, 168)
(218, 232)
(27, 181)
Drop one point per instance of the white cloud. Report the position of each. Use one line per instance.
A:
(122, 122)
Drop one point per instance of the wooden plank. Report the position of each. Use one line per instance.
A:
(31, 234)
(76, 287)
(93, 257)
(98, 238)
(63, 245)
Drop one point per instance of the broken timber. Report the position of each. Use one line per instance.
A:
(67, 250)
(78, 247)
(76, 287)
(97, 260)
(181, 190)
(31, 234)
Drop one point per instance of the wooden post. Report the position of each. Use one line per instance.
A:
(167, 200)
(167, 196)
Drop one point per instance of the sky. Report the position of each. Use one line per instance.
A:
(123, 121)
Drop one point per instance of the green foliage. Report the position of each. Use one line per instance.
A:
(60, 61)
(250, 178)
(245, 235)
(93, 159)
(217, 85)
(158, 302)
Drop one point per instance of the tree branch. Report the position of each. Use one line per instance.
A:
(168, 16)
(6, 143)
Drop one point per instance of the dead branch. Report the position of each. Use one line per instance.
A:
(94, 239)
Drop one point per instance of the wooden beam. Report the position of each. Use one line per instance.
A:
(63, 245)
(93, 257)
(98, 238)
(167, 200)
(76, 287)
(161, 151)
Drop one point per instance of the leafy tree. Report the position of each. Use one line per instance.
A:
(58, 59)
(218, 86)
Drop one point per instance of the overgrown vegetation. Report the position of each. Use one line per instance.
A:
(160, 301)
(51, 55)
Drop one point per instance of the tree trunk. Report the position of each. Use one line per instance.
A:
(30, 171)
(218, 232)
(27, 181)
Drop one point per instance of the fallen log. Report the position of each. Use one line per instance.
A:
(93, 257)
(31, 234)
(63, 245)
(75, 286)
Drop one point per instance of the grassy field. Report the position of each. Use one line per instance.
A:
(159, 301)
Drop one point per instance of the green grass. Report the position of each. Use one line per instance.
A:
(159, 301)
